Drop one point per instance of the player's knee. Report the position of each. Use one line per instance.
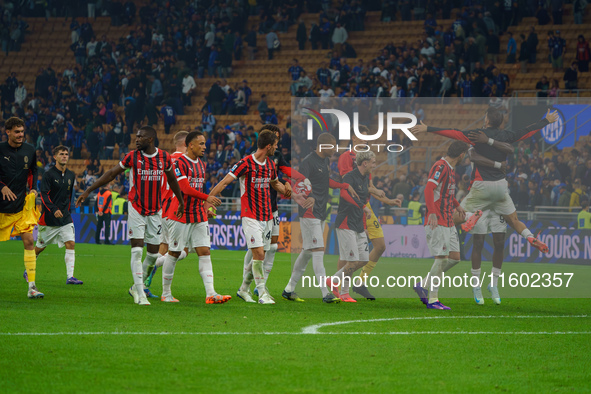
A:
(454, 256)
(379, 245)
(478, 242)
(499, 241)
(70, 244)
(174, 254)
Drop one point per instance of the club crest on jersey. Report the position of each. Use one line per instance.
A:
(159, 164)
(351, 254)
(176, 244)
(130, 232)
(314, 240)
(251, 240)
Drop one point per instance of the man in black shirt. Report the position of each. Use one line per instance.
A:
(18, 214)
(55, 224)
(312, 213)
(350, 223)
(489, 188)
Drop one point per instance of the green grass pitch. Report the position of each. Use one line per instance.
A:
(108, 344)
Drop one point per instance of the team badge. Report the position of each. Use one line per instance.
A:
(160, 164)
(176, 244)
(351, 254)
(26, 159)
(251, 240)
(314, 240)
(130, 232)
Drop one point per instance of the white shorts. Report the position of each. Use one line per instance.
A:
(493, 195)
(275, 231)
(257, 233)
(55, 235)
(312, 233)
(147, 228)
(489, 223)
(190, 235)
(442, 240)
(164, 237)
(353, 246)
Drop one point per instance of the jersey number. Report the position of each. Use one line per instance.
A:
(366, 247)
(268, 236)
(159, 230)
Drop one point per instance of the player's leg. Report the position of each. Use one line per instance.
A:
(178, 237)
(253, 233)
(99, 227)
(498, 255)
(297, 272)
(376, 236)
(477, 246)
(162, 250)
(31, 264)
(137, 231)
(67, 237)
(107, 219)
(270, 254)
(520, 227)
(438, 241)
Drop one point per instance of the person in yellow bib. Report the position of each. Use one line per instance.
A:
(415, 209)
(18, 212)
(584, 217)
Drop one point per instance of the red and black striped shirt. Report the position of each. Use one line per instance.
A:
(167, 193)
(255, 184)
(194, 172)
(444, 195)
(145, 179)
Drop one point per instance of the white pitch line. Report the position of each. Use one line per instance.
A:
(117, 333)
(313, 330)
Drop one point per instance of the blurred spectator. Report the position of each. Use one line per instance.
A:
(511, 49)
(542, 87)
(339, 37)
(583, 54)
(571, 77)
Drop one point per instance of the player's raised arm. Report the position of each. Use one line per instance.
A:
(533, 128)
(449, 133)
(107, 177)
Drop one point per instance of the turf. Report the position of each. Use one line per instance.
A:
(121, 347)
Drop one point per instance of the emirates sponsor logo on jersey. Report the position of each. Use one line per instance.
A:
(261, 183)
(196, 183)
(150, 175)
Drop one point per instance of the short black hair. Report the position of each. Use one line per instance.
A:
(191, 136)
(326, 138)
(457, 148)
(495, 117)
(266, 138)
(150, 131)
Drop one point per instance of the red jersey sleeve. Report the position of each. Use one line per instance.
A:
(345, 163)
(167, 161)
(239, 169)
(127, 161)
(436, 174)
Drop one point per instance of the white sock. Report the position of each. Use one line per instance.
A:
(298, 270)
(70, 260)
(476, 273)
(526, 233)
(269, 259)
(31, 285)
(436, 271)
(247, 258)
(320, 271)
(168, 274)
(149, 263)
(496, 272)
(182, 256)
(160, 260)
(450, 264)
(345, 283)
(136, 269)
(259, 276)
(206, 272)
(247, 276)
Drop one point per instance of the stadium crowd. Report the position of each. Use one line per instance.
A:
(149, 77)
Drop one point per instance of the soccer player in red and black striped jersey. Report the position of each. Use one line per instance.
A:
(442, 236)
(282, 166)
(167, 195)
(148, 164)
(191, 230)
(489, 189)
(256, 174)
